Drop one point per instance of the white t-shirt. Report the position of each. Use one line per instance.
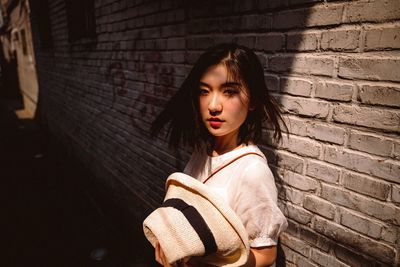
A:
(248, 186)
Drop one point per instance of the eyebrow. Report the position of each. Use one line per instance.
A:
(227, 84)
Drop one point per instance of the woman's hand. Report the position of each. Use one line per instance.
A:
(160, 257)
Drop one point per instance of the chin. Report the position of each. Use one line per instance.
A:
(215, 132)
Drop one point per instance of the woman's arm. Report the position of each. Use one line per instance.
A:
(261, 257)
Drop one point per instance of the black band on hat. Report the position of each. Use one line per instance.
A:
(197, 222)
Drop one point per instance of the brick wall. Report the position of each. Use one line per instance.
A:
(333, 65)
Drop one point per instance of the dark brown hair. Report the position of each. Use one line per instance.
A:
(182, 116)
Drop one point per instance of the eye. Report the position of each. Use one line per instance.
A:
(203, 91)
(231, 91)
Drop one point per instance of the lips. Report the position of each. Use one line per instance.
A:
(215, 122)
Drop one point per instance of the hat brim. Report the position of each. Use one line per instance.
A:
(218, 202)
(186, 187)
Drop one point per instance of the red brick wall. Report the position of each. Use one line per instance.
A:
(333, 65)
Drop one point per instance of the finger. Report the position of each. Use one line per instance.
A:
(163, 258)
(157, 254)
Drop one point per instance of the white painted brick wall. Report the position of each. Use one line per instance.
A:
(372, 67)
(363, 184)
(360, 224)
(340, 40)
(372, 144)
(382, 37)
(322, 171)
(324, 259)
(384, 94)
(302, 41)
(377, 118)
(293, 86)
(305, 106)
(334, 91)
(319, 206)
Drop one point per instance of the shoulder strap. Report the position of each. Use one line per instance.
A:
(229, 162)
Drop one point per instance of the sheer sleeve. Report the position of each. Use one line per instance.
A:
(255, 202)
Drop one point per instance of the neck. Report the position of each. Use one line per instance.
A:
(225, 144)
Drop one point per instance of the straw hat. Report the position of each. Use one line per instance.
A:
(194, 221)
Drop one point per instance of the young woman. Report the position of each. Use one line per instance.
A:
(219, 111)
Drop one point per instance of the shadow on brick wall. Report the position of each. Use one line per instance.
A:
(99, 94)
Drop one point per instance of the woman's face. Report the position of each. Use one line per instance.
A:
(223, 104)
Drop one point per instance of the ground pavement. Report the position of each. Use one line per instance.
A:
(48, 217)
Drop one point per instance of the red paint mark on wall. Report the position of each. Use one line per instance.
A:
(158, 81)
(117, 79)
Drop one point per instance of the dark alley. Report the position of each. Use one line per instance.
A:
(50, 219)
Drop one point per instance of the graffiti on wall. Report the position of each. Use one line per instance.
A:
(158, 81)
(155, 82)
(115, 74)
(117, 79)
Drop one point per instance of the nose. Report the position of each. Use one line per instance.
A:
(215, 104)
